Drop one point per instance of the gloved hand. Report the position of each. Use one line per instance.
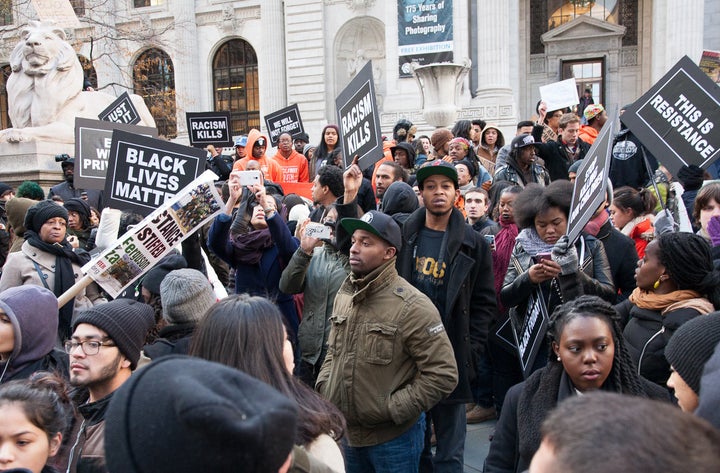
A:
(664, 223)
(713, 229)
(565, 254)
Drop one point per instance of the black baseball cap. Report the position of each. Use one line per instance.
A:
(438, 166)
(378, 224)
(260, 141)
(521, 141)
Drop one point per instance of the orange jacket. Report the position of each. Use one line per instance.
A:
(294, 168)
(588, 134)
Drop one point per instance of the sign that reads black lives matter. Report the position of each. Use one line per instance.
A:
(209, 128)
(425, 33)
(121, 110)
(144, 173)
(93, 139)
(359, 120)
(286, 120)
(678, 118)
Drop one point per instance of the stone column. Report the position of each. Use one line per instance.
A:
(186, 63)
(677, 30)
(494, 92)
(271, 58)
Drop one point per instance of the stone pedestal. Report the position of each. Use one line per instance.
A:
(32, 161)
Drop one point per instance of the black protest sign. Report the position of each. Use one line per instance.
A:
(92, 149)
(121, 110)
(591, 182)
(676, 118)
(144, 173)
(209, 128)
(359, 120)
(286, 120)
(529, 332)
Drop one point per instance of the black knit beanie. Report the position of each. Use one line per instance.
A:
(183, 414)
(692, 345)
(126, 321)
(691, 177)
(81, 207)
(41, 212)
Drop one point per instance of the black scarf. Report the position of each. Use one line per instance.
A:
(64, 274)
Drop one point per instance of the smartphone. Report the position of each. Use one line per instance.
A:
(248, 178)
(318, 230)
(490, 239)
(542, 256)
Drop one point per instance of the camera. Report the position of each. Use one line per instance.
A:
(61, 158)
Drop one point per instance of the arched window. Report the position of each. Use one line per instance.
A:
(154, 80)
(235, 85)
(4, 118)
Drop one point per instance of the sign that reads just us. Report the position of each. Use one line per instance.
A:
(121, 110)
(359, 120)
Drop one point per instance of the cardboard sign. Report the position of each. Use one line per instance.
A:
(559, 95)
(678, 118)
(144, 173)
(359, 120)
(60, 12)
(591, 182)
(209, 128)
(286, 120)
(92, 149)
(530, 332)
(425, 33)
(121, 110)
(137, 251)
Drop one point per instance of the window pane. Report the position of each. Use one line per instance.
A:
(236, 85)
(154, 79)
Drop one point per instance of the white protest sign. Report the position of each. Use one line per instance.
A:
(60, 12)
(559, 95)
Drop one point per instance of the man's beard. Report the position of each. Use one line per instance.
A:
(107, 373)
(70, 178)
(439, 213)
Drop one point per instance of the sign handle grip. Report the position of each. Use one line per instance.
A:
(81, 284)
(663, 203)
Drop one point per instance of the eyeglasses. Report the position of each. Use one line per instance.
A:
(89, 347)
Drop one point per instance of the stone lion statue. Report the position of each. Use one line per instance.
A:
(45, 89)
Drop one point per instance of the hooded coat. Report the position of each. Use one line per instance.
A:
(32, 311)
(399, 201)
(16, 209)
(269, 167)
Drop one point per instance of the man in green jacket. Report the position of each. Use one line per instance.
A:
(389, 358)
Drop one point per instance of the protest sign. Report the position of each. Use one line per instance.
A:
(559, 95)
(121, 110)
(359, 120)
(143, 173)
(286, 120)
(209, 128)
(59, 12)
(92, 149)
(710, 65)
(591, 182)
(676, 118)
(529, 332)
(425, 33)
(135, 252)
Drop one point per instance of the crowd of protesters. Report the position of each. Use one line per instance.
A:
(373, 318)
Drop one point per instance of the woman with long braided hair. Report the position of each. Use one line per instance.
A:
(676, 281)
(587, 353)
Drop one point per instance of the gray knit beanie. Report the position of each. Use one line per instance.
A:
(186, 296)
(692, 345)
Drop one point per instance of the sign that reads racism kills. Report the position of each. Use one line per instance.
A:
(209, 128)
(425, 33)
(286, 120)
(144, 173)
(678, 118)
(121, 110)
(92, 149)
(359, 120)
(591, 182)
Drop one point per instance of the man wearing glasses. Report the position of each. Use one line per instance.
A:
(104, 350)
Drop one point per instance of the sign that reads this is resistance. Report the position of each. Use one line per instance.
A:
(144, 172)
(209, 128)
(359, 120)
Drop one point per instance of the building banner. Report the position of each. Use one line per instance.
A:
(137, 251)
(425, 33)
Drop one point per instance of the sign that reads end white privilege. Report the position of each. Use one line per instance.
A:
(359, 121)
(209, 128)
(678, 117)
(121, 110)
(93, 139)
(144, 173)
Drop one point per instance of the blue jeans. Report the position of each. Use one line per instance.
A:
(399, 455)
(449, 421)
